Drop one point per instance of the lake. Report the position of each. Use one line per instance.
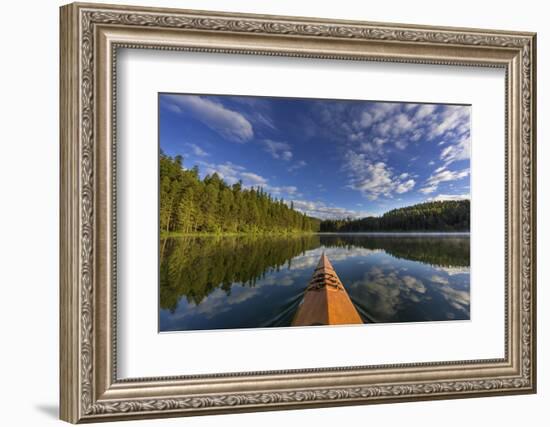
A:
(227, 282)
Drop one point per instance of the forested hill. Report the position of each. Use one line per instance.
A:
(431, 216)
(191, 205)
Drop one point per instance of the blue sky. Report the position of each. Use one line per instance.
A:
(332, 158)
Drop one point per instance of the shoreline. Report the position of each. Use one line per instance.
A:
(177, 234)
(433, 233)
(323, 233)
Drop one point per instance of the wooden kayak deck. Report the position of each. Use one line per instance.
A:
(326, 301)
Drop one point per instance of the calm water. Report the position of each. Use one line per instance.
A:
(249, 282)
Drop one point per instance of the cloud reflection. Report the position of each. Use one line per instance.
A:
(223, 286)
(459, 300)
(385, 289)
(310, 258)
(386, 292)
(451, 271)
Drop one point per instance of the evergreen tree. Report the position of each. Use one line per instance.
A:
(452, 215)
(191, 205)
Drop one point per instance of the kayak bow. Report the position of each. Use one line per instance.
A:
(326, 301)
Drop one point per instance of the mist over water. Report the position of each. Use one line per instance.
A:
(227, 282)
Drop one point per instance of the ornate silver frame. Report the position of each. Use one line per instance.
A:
(90, 36)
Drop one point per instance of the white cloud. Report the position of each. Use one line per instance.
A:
(446, 197)
(252, 179)
(416, 135)
(287, 191)
(372, 114)
(447, 175)
(380, 129)
(366, 119)
(446, 151)
(401, 144)
(232, 173)
(405, 186)
(228, 123)
(374, 179)
(197, 151)
(440, 175)
(402, 123)
(367, 147)
(323, 211)
(384, 128)
(262, 119)
(278, 150)
(395, 126)
(298, 165)
(229, 172)
(172, 107)
(457, 151)
(380, 110)
(424, 111)
(375, 146)
(453, 120)
(428, 189)
(356, 136)
(398, 124)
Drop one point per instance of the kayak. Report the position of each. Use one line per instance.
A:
(326, 301)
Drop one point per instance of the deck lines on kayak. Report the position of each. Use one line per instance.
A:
(326, 301)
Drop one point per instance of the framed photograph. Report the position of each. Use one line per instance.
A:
(265, 212)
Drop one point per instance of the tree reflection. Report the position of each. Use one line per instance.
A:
(445, 251)
(193, 267)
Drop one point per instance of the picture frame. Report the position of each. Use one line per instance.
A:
(91, 37)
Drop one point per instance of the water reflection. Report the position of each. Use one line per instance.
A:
(436, 249)
(247, 282)
(194, 267)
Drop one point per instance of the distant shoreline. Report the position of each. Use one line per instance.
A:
(165, 235)
(395, 232)
(274, 233)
